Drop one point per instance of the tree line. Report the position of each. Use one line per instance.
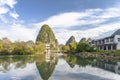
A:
(8, 47)
(81, 46)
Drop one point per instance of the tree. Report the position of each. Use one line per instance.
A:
(39, 47)
(6, 46)
(82, 47)
(21, 48)
(83, 40)
(73, 47)
(1, 44)
(65, 48)
(89, 40)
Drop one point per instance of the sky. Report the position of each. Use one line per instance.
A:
(22, 19)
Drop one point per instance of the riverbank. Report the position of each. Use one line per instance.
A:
(107, 56)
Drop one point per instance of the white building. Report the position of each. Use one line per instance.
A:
(47, 48)
(108, 43)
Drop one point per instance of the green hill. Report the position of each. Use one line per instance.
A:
(71, 40)
(47, 36)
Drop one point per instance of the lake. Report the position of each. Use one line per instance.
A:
(56, 67)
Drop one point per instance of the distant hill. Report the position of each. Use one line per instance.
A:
(71, 40)
(47, 36)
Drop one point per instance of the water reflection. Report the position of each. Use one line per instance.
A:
(47, 65)
(6, 63)
(50, 66)
(75, 60)
(113, 67)
(42, 66)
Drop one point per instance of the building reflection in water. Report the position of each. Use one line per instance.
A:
(83, 62)
(113, 67)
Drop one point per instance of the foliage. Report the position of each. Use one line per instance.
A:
(83, 40)
(111, 52)
(1, 45)
(89, 40)
(65, 48)
(20, 48)
(18, 51)
(73, 47)
(82, 46)
(39, 47)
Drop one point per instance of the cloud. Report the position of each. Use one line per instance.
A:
(3, 19)
(87, 17)
(64, 24)
(14, 15)
(63, 35)
(90, 17)
(7, 7)
(70, 19)
(19, 32)
(9, 3)
(110, 13)
(3, 10)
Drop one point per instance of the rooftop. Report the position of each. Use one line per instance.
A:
(116, 32)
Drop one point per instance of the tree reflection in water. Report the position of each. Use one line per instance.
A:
(83, 62)
(18, 61)
(77, 60)
(44, 65)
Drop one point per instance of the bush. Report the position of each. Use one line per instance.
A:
(83, 47)
(18, 51)
(4, 52)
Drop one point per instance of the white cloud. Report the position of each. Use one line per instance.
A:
(110, 13)
(3, 10)
(92, 17)
(3, 19)
(19, 32)
(70, 19)
(63, 35)
(7, 7)
(89, 16)
(14, 15)
(9, 3)
(61, 23)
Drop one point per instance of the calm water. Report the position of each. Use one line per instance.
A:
(54, 67)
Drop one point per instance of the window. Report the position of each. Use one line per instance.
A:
(118, 39)
(111, 39)
(107, 40)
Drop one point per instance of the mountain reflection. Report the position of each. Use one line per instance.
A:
(46, 65)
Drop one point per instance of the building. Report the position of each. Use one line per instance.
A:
(108, 43)
(47, 46)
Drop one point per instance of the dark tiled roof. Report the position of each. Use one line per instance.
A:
(116, 32)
